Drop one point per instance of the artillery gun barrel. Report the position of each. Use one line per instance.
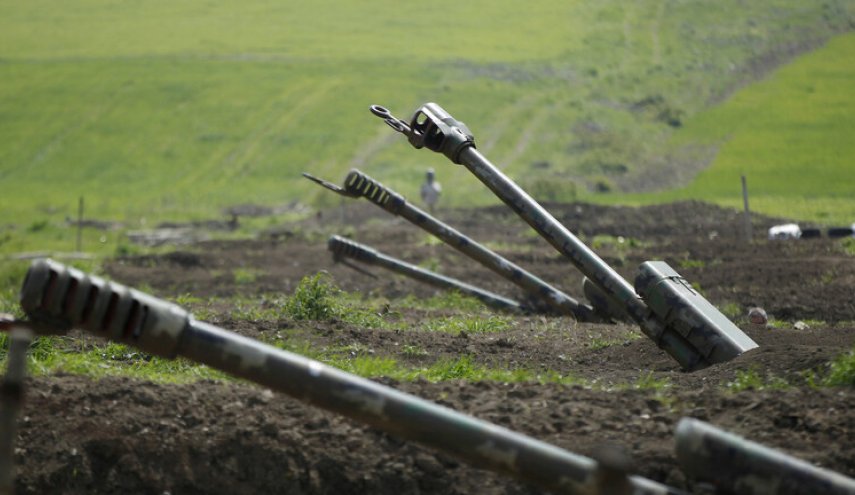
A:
(342, 247)
(358, 184)
(736, 466)
(586, 260)
(694, 335)
(57, 298)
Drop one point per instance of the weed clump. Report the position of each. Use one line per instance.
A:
(842, 371)
(315, 299)
(752, 380)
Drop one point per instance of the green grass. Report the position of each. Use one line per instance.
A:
(752, 380)
(244, 275)
(469, 324)
(447, 300)
(841, 371)
(314, 299)
(49, 355)
(155, 110)
(731, 309)
(790, 135)
(601, 343)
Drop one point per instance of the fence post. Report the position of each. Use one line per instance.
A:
(749, 234)
(80, 225)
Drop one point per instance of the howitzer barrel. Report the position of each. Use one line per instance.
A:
(342, 247)
(736, 466)
(359, 184)
(591, 265)
(57, 297)
(696, 343)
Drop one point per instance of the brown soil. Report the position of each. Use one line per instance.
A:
(126, 436)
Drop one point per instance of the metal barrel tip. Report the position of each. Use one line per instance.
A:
(380, 111)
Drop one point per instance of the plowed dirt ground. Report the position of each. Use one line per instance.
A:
(120, 435)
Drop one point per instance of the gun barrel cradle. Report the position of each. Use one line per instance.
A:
(342, 247)
(57, 298)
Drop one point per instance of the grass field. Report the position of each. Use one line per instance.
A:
(155, 110)
(790, 135)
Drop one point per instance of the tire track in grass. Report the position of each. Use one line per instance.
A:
(96, 111)
(223, 157)
(534, 125)
(503, 120)
(656, 49)
(626, 29)
(247, 154)
(382, 139)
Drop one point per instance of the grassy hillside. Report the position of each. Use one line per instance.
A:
(156, 110)
(790, 135)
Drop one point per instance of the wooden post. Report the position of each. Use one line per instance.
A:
(749, 233)
(12, 387)
(80, 225)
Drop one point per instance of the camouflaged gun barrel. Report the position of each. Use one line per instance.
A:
(57, 298)
(342, 247)
(700, 340)
(604, 304)
(358, 184)
(736, 466)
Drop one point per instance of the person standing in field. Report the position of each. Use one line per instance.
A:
(430, 190)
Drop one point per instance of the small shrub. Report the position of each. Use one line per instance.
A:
(431, 264)
(848, 245)
(687, 263)
(551, 189)
(430, 240)
(126, 249)
(186, 299)
(842, 371)
(731, 310)
(243, 276)
(602, 185)
(452, 300)
(600, 343)
(37, 226)
(314, 299)
(371, 367)
(413, 351)
(649, 382)
(459, 369)
(469, 324)
(751, 380)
